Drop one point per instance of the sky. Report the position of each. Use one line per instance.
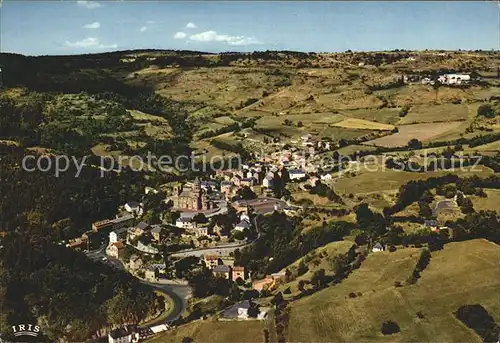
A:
(74, 27)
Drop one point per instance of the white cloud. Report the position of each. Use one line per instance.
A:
(94, 25)
(191, 26)
(213, 36)
(88, 4)
(144, 28)
(89, 43)
(150, 22)
(180, 35)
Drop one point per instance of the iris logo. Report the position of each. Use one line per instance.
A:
(26, 330)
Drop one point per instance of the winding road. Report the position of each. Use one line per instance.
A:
(178, 293)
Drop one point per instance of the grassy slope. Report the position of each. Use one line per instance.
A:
(462, 273)
(215, 332)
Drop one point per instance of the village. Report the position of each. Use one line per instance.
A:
(210, 219)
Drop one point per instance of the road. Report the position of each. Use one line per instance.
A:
(221, 250)
(178, 293)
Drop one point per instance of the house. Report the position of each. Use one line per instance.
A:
(244, 216)
(454, 79)
(77, 244)
(226, 187)
(122, 335)
(185, 223)
(114, 249)
(296, 174)
(156, 232)
(222, 271)
(211, 261)
(113, 237)
(238, 272)
(326, 177)
(378, 247)
(133, 207)
(148, 190)
(247, 181)
(146, 248)
(101, 225)
(243, 225)
(200, 231)
(268, 180)
(159, 328)
(135, 262)
(239, 311)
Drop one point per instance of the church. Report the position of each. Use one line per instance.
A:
(191, 198)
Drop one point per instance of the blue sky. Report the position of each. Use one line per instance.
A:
(74, 27)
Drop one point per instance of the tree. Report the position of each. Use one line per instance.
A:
(245, 193)
(253, 311)
(414, 144)
(200, 218)
(389, 327)
(299, 124)
(486, 110)
(235, 293)
(187, 340)
(318, 278)
(425, 210)
(301, 286)
(302, 268)
(466, 206)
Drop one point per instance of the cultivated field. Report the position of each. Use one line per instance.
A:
(422, 132)
(362, 124)
(435, 113)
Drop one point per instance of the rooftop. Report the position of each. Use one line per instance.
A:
(221, 269)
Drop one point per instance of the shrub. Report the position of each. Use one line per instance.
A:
(486, 110)
(420, 315)
(389, 327)
(398, 284)
(352, 295)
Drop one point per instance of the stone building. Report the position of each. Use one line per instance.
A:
(194, 198)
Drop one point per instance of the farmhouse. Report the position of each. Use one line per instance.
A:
(378, 247)
(454, 79)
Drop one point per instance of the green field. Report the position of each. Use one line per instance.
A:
(461, 273)
(215, 332)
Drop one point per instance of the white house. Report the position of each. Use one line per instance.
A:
(133, 207)
(113, 237)
(378, 247)
(185, 223)
(242, 225)
(296, 174)
(326, 177)
(122, 336)
(268, 181)
(454, 79)
(244, 216)
(148, 190)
